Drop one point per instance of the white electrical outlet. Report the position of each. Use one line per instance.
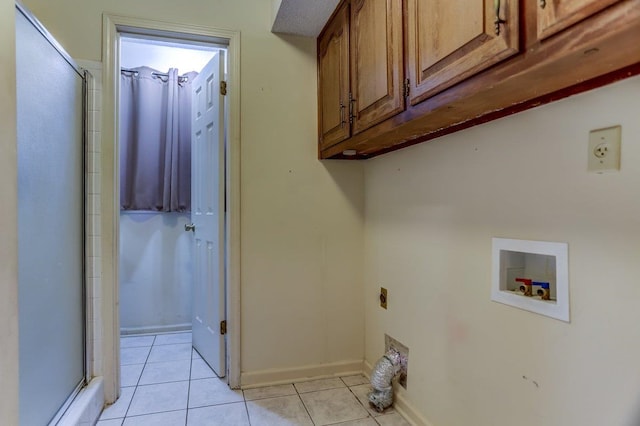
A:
(604, 150)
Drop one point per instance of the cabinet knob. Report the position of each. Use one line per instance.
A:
(543, 3)
(498, 21)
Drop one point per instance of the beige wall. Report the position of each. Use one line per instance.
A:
(8, 224)
(301, 224)
(431, 211)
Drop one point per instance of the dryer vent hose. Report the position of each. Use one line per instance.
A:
(387, 367)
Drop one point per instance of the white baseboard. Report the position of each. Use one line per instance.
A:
(309, 372)
(156, 329)
(400, 404)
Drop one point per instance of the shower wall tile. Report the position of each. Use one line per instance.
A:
(95, 99)
(93, 247)
(93, 218)
(95, 302)
(95, 146)
(93, 163)
(96, 70)
(96, 271)
(93, 202)
(95, 116)
(97, 357)
(93, 186)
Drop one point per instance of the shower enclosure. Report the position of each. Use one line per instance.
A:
(50, 107)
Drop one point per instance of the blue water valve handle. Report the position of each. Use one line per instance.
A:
(542, 284)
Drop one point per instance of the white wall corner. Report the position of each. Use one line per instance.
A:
(275, 7)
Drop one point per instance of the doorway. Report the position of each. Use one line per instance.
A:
(155, 252)
(119, 28)
(170, 105)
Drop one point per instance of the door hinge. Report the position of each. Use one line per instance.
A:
(406, 88)
(223, 88)
(223, 327)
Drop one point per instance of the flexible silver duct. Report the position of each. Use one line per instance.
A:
(383, 373)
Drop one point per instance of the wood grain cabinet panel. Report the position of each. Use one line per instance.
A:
(466, 62)
(556, 15)
(451, 40)
(377, 71)
(333, 81)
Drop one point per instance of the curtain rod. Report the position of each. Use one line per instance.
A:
(181, 79)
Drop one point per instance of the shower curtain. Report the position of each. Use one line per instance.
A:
(155, 140)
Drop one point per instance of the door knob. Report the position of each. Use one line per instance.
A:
(189, 227)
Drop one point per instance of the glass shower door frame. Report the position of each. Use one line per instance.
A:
(83, 74)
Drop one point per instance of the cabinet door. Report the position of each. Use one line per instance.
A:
(333, 81)
(376, 61)
(451, 40)
(556, 15)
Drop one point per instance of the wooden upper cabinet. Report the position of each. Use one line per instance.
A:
(393, 73)
(556, 15)
(451, 40)
(377, 72)
(333, 81)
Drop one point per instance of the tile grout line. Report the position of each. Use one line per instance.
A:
(303, 404)
(151, 414)
(135, 390)
(246, 408)
(139, 378)
(186, 417)
(375, 419)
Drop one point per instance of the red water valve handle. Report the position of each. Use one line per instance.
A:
(526, 287)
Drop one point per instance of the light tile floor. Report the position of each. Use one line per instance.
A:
(166, 383)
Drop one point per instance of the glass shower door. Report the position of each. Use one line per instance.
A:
(50, 224)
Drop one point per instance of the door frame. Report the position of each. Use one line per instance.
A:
(112, 26)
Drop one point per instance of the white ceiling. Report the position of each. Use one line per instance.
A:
(302, 17)
(162, 55)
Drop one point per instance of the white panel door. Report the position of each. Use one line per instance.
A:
(207, 214)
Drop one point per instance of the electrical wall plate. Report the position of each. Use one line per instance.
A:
(383, 297)
(604, 150)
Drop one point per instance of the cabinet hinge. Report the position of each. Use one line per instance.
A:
(223, 87)
(406, 88)
(352, 116)
(223, 327)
